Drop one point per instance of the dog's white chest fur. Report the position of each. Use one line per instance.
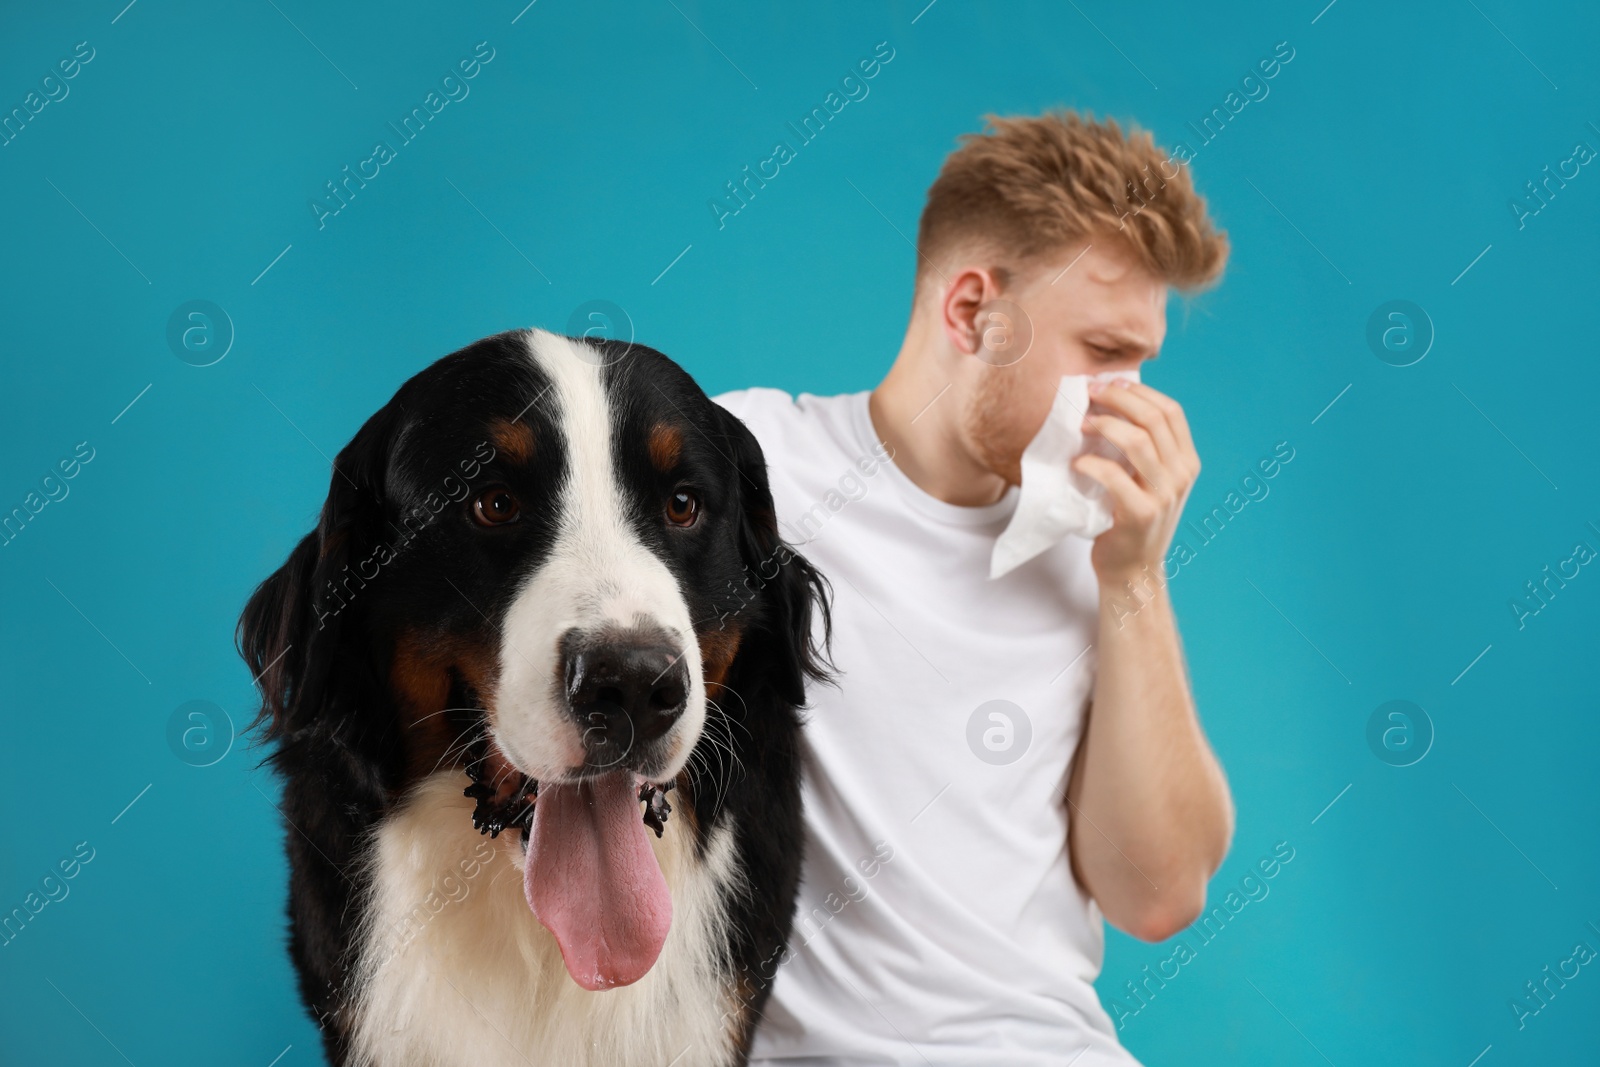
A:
(455, 969)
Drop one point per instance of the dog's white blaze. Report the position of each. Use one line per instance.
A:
(597, 572)
(476, 981)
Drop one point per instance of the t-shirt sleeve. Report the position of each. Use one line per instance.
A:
(733, 401)
(779, 428)
(768, 413)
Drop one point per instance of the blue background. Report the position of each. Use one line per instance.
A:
(1381, 566)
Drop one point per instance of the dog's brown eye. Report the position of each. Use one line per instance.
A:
(683, 508)
(494, 507)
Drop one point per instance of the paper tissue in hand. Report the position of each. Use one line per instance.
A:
(1056, 500)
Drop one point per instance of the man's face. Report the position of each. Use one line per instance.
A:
(1090, 311)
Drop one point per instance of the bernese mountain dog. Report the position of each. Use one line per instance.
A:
(533, 686)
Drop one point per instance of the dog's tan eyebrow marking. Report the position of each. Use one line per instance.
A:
(665, 446)
(513, 439)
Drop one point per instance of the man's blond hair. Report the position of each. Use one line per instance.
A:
(1027, 188)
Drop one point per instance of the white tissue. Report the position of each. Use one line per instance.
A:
(1056, 501)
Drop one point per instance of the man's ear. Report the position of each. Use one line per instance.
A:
(298, 622)
(963, 307)
(791, 589)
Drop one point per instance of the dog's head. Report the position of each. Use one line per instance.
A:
(539, 563)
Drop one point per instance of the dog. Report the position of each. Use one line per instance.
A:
(533, 687)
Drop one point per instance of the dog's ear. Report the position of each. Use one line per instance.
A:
(792, 591)
(298, 621)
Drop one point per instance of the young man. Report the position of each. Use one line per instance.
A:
(1002, 762)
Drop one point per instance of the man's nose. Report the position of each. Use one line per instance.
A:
(625, 689)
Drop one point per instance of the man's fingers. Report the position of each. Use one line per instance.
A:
(1144, 412)
(1136, 443)
(1176, 419)
(1129, 499)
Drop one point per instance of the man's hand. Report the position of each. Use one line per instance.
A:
(1149, 809)
(1150, 429)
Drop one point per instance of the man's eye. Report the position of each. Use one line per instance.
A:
(683, 508)
(494, 506)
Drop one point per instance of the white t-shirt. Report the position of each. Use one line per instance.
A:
(939, 921)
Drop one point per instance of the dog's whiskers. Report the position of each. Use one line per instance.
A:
(463, 741)
(444, 711)
(718, 746)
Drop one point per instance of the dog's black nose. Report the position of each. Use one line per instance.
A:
(625, 690)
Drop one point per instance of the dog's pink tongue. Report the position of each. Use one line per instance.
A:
(592, 880)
